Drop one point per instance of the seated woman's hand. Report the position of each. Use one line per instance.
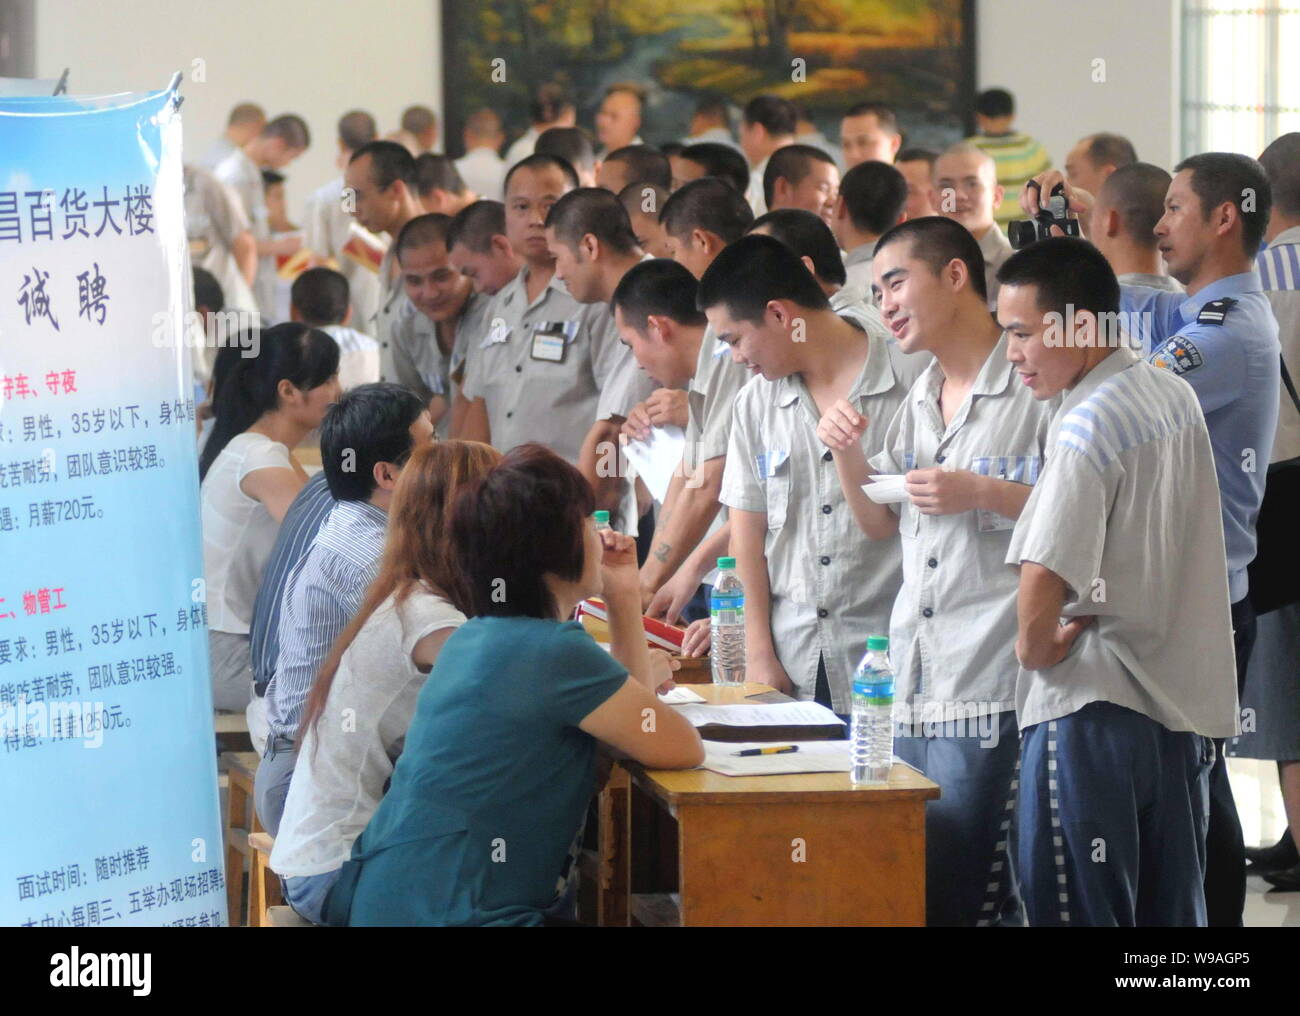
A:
(618, 567)
(662, 667)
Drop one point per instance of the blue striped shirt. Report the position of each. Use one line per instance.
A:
(299, 528)
(322, 595)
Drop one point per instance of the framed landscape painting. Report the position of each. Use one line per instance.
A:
(915, 55)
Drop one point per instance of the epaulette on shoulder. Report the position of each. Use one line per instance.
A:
(1215, 311)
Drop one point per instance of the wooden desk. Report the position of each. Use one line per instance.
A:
(804, 849)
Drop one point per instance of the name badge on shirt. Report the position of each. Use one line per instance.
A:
(551, 338)
(770, 461)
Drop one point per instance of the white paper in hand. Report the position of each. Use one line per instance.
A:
(885, 488)
(678, 696)
(657, 458)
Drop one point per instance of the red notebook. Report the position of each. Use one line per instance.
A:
(658, 634)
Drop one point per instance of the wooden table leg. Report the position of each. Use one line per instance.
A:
(612, 897)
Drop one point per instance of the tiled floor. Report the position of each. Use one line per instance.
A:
(1259, 804)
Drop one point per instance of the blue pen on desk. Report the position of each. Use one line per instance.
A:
(784, 749)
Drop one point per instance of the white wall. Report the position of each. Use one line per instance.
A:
(317, 59)
(1043, 54)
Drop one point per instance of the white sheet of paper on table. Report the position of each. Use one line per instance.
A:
(680, 696)
(885, 488)
(657, 458)
(812, 757)
(760, 714)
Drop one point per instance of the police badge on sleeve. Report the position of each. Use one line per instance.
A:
(1178, 355)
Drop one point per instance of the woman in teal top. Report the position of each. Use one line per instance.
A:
(492, 787)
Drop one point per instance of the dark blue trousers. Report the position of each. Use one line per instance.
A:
(1113, 816)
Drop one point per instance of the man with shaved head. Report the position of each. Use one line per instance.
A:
(1123, 222)
(967, 190)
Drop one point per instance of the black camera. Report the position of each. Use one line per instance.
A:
(1023, 232)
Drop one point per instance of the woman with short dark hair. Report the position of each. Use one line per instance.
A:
(491, 790)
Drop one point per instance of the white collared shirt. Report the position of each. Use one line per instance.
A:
(1127, 513)
(953, 628)
(831, 587)
(528, 396)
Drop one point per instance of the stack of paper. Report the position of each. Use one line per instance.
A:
(775, 714)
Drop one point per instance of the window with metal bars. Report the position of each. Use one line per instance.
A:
(1240, 74)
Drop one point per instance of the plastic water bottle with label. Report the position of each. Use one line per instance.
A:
(727, 625)
(872, 737)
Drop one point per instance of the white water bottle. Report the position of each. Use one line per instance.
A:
(872, 736)
(727, 625)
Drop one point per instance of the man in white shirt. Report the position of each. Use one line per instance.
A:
(330, 231)
(594, 246)
(1122, 536)
(380, 179)
(481, 167)
(968, 443)
(539, 372)
(245, 123)
(768, 124)
(967, 191)
(619, 118)
(278, 144)
(869, 132)
(814, 591)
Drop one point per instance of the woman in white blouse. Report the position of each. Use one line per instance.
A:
(265, 406)
(355, 720)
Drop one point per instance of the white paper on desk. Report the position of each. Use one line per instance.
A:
(812, 757)
(680, 696)
(657, 457)
(885, 488)
(760, 714)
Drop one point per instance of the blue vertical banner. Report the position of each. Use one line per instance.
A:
(107, 760)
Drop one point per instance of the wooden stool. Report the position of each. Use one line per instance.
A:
(286, 917)
(241, 822)
(263, 883)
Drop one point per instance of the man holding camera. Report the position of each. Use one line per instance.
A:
(1221, 338)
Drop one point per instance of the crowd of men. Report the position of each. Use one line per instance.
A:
(1065, 584)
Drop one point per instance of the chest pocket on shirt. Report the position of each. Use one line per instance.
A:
(1016, 468)
(774, 470)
